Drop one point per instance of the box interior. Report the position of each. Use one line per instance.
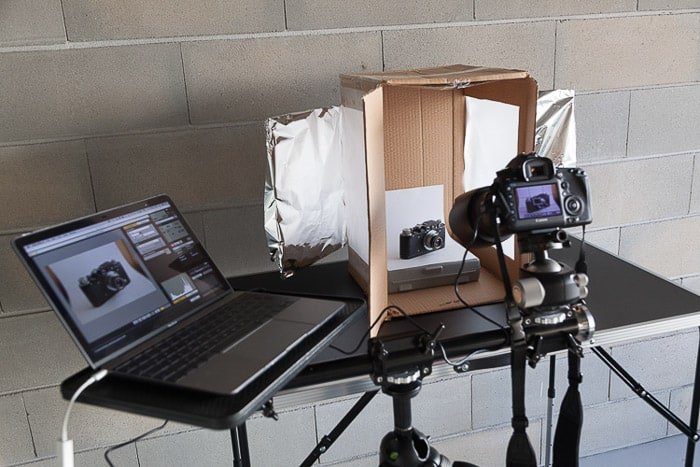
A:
(414, 128)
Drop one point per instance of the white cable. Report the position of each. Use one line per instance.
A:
(64, 446)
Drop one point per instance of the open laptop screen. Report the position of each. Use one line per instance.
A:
(119, 276)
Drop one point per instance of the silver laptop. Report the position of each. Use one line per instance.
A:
(141, 297)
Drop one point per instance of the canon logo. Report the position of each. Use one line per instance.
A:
(542, 220)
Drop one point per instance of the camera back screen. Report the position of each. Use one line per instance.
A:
(122, 278)
(538, 201)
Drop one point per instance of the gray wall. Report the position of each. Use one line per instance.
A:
(102, 103)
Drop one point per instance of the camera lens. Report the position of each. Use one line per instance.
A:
(432, 241)
(114, 281)
(573, 205)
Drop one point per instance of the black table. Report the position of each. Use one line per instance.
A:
(627, 302)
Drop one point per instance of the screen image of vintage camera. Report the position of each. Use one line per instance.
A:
(104, 282)
(537, 202)
(421, 239)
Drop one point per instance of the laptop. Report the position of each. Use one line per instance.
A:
(141, 298)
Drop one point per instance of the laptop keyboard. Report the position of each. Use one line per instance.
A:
(174, 357)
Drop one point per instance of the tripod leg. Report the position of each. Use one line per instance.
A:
(330, 438)
(550, 409)
(695, 409)
(239, 444)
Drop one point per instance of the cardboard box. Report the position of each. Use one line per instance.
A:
(406, 129)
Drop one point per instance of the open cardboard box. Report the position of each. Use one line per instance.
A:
(406, 129)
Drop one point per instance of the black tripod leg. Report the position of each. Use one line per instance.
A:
(344, 422)
(652, 401)
(694, 410)
(239, 444)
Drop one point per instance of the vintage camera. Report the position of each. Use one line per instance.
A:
(105, 281)
(537, 202)
(421, 239)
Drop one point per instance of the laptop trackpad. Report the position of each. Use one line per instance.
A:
(228, 371)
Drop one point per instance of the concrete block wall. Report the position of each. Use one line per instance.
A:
(102, 104)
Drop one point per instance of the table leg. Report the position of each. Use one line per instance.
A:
(695, 409)
(239, 444)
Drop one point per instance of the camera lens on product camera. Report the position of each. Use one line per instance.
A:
(432, 241)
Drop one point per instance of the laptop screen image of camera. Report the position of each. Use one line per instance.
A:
(140, 296)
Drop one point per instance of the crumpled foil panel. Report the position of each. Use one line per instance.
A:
(304, 218)
(555, 132)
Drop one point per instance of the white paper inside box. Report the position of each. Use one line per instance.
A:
(405, 130)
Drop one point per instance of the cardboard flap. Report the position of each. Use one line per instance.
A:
(374, 150)
(453, 76)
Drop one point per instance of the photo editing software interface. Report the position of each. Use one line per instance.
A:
(125, 277)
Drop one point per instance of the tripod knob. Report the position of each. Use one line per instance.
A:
(406, 377)
(528, 292)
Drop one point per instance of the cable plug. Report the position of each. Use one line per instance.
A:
(64, 451)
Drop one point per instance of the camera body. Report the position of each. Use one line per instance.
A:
(103, 282)
(536, 196)
(423, 238)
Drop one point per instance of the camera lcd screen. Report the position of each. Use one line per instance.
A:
(538, 201)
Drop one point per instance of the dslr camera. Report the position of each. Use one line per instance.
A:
(421, 239)
(105, 281)
(537, 196)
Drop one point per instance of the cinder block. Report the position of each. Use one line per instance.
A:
(487, 448)
(692, 283)
(363, 436)
(681, 403)
(38, 352)
(319, 14)
(31, 22)
(256, 78)
(666, 452)
(42, 184)
(618, 199)
(676, 255)
(489, 9)
(443, 407)
(607, 239)
(124, 456)
(286, 441)
(50, 94)
(203, 168)
(664, 120)
(618, 424)
(367, 461)
(695, 195)
(14, 431)
(530, 46)
(601, 125)
(89, 426)
(87, 20)
(615, 53)
(196, 221)
(648, 362)
(18, 292)
(200, 447)
(668, 4)
(491, 403)
(236, 240)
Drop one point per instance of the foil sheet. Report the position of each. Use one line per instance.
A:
(304, 215)
(555, 132)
